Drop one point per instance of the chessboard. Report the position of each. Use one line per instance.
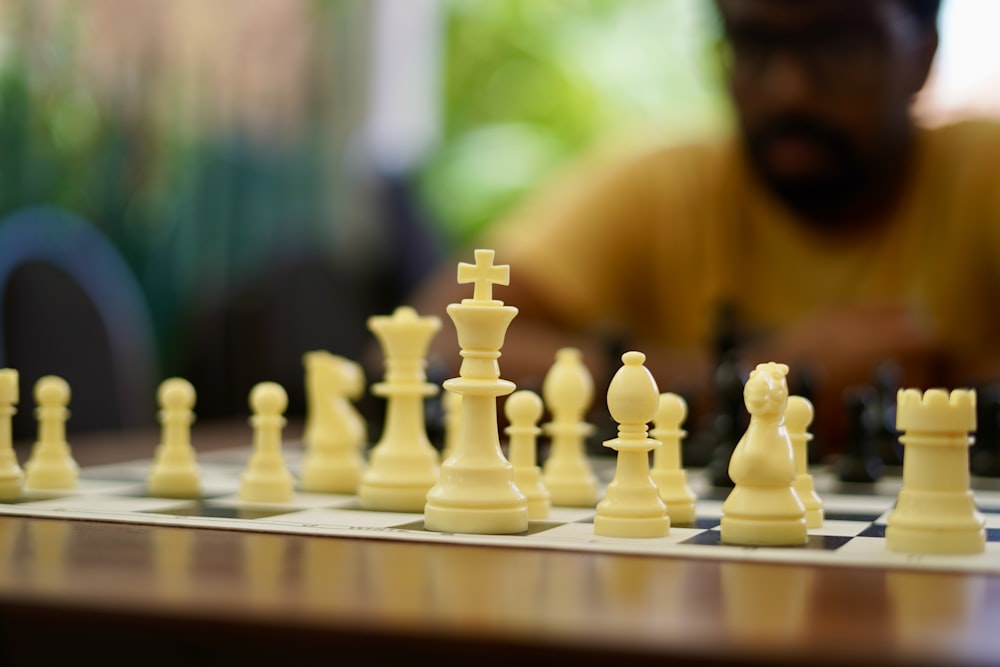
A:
(852, 533)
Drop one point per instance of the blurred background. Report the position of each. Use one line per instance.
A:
(210, 189)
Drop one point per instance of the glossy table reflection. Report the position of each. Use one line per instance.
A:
(156, 595)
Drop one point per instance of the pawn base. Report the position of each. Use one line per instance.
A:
(529, 481)
(177, 483)
(630, 526)
(806, 490)
(331, 476)
(11, 485)
(567, 493)
(476, 520)
(50, 478)
(393, 498)
(907, 539)
(764, 532)
(256, 489)
(676, 494)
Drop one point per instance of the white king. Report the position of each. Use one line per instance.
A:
(936, 512)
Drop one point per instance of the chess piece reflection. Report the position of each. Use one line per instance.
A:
(172, 551)
(766, 604)
(931, 603)
(49, 541)
(264, 559)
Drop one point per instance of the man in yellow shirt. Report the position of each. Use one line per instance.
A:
(839, 233)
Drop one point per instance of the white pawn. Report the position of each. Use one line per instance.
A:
(174, 473)
(632, 505)
(798, 416)
(51, 466)
(11, 475)
(668, 473)
(523, 410)
(266, 479)
(763, 507)
(568, 390)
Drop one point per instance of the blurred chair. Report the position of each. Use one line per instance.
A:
(70, 306)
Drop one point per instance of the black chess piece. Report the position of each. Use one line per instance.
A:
(882, 413)
(985, 455)
(860, 462)
(729, 419)
(803, 381)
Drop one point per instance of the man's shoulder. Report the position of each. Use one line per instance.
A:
(710, 153)
(966, 139)
(672, 166)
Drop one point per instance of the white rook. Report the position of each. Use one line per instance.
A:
(935, 512)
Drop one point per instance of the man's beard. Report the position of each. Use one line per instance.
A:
(823, 194)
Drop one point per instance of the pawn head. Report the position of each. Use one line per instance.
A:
(268, 398)
(523, 407)
(52, 390)
(176, 394)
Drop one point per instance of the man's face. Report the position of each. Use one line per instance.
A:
(822, 89)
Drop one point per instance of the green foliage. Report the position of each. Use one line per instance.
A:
(530, 83)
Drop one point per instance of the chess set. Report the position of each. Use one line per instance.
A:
(934, 516)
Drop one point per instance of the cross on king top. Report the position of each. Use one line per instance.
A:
(483, 274)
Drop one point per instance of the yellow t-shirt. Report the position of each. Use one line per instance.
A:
(653, 244)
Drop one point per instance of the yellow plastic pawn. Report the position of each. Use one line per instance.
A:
(798, 416)
(51, 466)
(11, 475)
(476, 491)
(935, 511)
(403, 465)
(632, 505)
(523, 410)
(668, 474)
(568, 390)
(174, 473)
(335, 433)
(266, 479)
(763, 508)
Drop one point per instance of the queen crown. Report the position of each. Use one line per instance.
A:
(936, 410)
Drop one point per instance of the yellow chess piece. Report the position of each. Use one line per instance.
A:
(51, 466)
(523, 410)
(632, 505)
(11, 475)
(763, 508)
(798, 416)
(174, 473)
(267, 479)
(935, 512)
(668, 474)
(476, 492)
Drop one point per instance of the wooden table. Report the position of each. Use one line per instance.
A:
(153, 595)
